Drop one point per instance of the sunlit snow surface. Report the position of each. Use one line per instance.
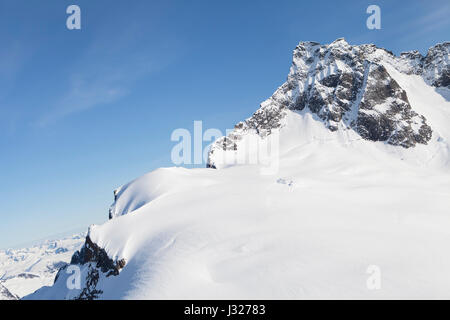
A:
(23, 271)
(336, 205)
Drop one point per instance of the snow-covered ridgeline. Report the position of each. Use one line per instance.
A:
(348, 88)
(361, 182)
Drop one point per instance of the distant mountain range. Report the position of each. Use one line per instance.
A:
(23, 271)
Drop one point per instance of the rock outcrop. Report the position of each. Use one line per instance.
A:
(5, 294)
(97, 264)
(349, 88)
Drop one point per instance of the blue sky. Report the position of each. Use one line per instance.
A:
(85, 111)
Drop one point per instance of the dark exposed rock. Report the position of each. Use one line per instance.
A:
(61, 250)
(348, 86)
(62, 269)
(90, 291)
(98, 264)
(436, 69)
(111, 213)
(264, 120)
(91, 252)
(27, 275)
(444, 79)
(5, 294)
(385, 113)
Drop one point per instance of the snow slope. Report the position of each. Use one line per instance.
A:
(335, 205)
(23, 271)
(235, 233)
(5, 294)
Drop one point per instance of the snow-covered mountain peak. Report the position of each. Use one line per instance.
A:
(349, 88)
(362, 179)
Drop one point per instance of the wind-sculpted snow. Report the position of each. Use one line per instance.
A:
(348, 88)
(256, 236)
(336, 206)
(128, 198)
(339, 202)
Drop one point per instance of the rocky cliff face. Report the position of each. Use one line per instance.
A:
(96, 264)
(435, 67)
(5, 294)
(348, 88)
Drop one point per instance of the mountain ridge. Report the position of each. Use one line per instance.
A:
(349, 88)
(340, 184)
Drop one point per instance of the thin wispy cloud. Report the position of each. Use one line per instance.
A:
(13, 57)
(108, 70)
(435, 19)
(84, 95)
(432, 20)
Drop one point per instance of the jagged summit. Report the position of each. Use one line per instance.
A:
(349, 88)
(364, 160)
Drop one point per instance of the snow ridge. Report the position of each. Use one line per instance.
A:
(362, 180)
